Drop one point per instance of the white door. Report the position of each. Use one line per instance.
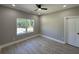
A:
(77, 32)
(73, 31)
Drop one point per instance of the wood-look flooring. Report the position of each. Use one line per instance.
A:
(40, 45)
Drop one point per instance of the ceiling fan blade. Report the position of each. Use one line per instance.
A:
(44, 8)
(38, 5)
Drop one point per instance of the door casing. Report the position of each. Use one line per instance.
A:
(66, 27)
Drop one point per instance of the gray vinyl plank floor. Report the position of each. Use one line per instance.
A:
(40, 45)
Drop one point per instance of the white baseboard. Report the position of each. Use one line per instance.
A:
(59, 41)
(18, 41)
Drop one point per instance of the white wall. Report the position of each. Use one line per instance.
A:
(52, 24)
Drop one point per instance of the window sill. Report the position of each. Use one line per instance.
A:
(23, 33)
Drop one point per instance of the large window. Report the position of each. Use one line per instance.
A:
(24, 25)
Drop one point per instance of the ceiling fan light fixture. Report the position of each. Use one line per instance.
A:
(39, 9)
(64, 6)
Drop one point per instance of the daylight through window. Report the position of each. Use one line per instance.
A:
(24, 25)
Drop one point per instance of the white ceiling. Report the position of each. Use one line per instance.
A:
(29, 8)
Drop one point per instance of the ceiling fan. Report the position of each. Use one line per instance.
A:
(39, 7)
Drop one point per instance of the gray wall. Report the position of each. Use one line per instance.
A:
(8, 18)
(52, 24)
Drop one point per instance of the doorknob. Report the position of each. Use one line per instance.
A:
(78, 33)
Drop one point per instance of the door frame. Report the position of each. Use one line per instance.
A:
(66, 27)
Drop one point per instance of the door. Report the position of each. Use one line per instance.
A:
(73, 31)
(77, 32)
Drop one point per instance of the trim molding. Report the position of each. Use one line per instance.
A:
(59, 41)
(18, 41)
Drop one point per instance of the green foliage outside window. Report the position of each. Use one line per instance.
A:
(22, 23)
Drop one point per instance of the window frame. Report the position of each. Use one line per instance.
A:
(26, 28)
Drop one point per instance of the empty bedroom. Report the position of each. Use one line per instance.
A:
(39, 28)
